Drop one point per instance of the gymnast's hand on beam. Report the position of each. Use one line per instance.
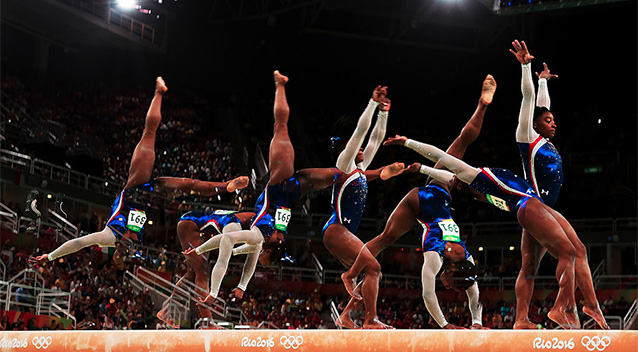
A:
(453, 327)
(478, 327)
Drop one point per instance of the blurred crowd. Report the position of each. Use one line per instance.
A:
(106, 122)
(283, 310)
(100, 297)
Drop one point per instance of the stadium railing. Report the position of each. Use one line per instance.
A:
(34, 296)
(319, 272)
(595, 275)
(95, 8)
(131, 26)
(615, 322)
(59, 173)
(178, 305)
(630, 317)
(8, 218)
(28, 275)
(56, 303)
(334, 313)
(64, 228)
(114, 18)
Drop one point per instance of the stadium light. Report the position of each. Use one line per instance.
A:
(511, 248)
(480, 249)
(127, 4)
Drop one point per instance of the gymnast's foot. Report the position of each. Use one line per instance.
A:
(558, 316)
(489, 88)
(160, 86)
(237, 183)
(345, 322)
(392, 170)
(350, 284)
(525, 324)
(279, 78)
(165, 317)
(376, 324)
(597, 314)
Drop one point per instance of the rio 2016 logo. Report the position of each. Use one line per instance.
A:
(13, 343)
(291, 341)
(595, 343)
(258, 342)
(553, 344)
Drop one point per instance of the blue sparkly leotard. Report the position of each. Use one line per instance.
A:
(434, 212)
(504, 189)
(348, 201)
(543, 168)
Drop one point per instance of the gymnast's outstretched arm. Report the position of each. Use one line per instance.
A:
(377, 135)
(345, 161)
(525, 132)
(542, 99)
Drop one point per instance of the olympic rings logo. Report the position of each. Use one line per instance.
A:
(291, 341)
(595, 343)
(41, 342)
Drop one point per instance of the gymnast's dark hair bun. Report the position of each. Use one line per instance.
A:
(538, 112)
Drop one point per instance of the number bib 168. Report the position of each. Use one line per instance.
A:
(282, 218)
(450, 230)
(136, 220)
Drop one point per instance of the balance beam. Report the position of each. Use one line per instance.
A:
(319, 340)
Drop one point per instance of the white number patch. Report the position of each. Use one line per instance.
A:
(136, 220)
(223, 212)
(282, 218)
(450, 230)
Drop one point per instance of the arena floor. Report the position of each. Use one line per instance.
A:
(321, 340)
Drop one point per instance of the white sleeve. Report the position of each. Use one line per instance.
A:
(376, 138)
(542, 100)
(476, 308)
(432, 263)
(525, 131)
(345, 161)
(440, 175)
